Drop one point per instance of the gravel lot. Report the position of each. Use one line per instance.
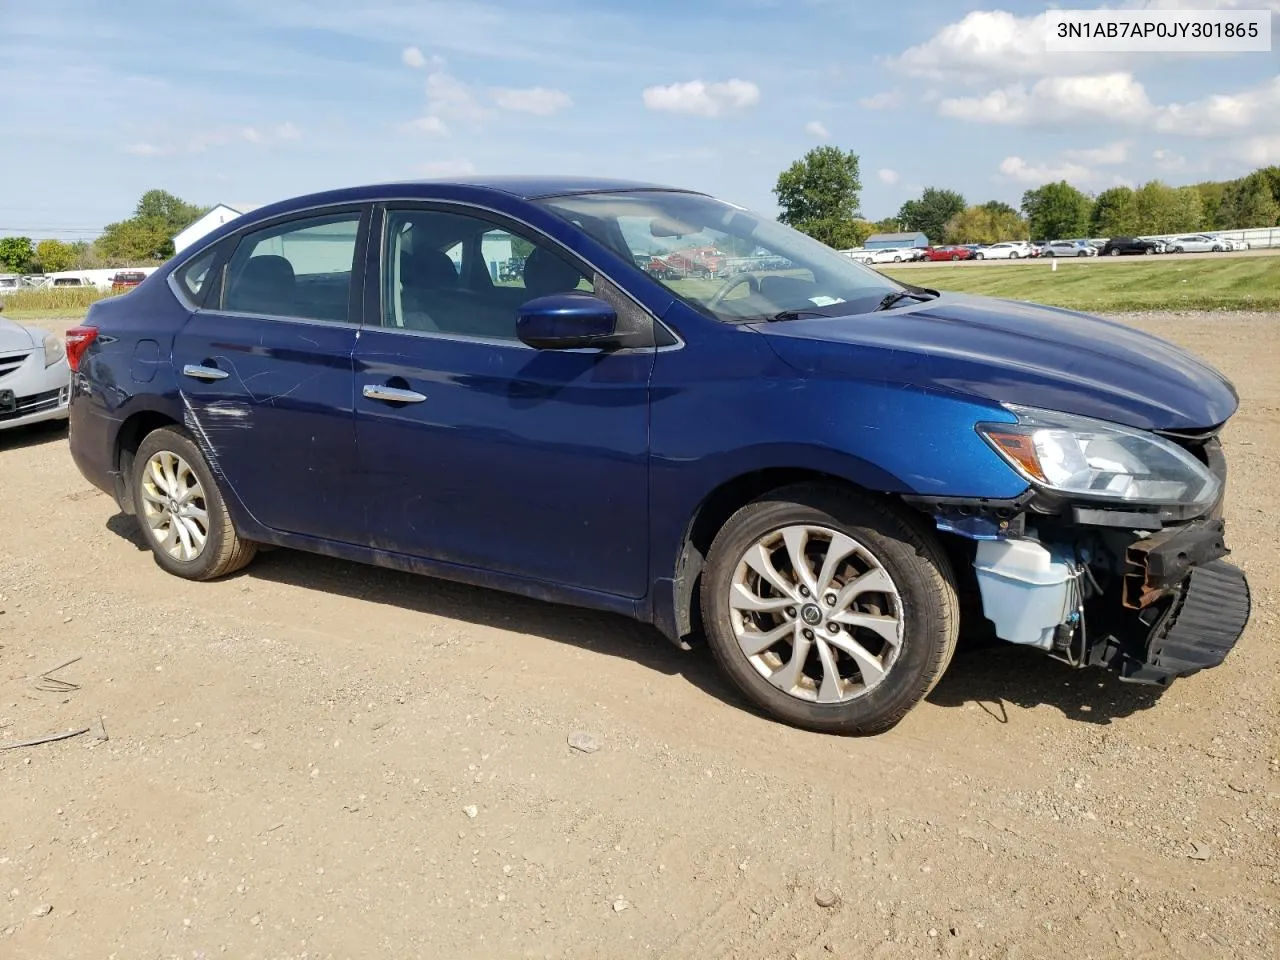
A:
(317, 759)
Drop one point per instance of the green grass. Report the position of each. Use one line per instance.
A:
(1238, 283)
(56, 303)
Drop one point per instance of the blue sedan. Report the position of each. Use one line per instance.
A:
(822, 473)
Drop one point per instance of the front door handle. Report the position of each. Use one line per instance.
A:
(204, 373)
(378, 391)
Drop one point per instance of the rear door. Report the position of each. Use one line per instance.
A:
(265, 370)
(478, 450)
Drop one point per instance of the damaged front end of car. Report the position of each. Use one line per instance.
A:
(1114, 555)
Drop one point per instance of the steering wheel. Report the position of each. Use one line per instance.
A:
(733, 283)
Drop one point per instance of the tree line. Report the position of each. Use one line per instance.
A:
(820, 195)
(142, 239)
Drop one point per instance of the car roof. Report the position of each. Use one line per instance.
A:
(523, 187)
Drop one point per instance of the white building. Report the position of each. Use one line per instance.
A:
(210, 222)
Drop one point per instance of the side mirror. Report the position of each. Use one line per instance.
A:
(567, 321)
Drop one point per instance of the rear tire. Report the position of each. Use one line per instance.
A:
(874, 638)
(181, 511)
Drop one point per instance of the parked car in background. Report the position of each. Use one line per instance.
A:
(127, 279)
(1230, 243)
(947, 253)
(1196, 243)
(10, 283)
(1123, 246)
(35, 380)
(1069, 248)
(1161, 246)
(1010, 250)
(892, 255)
(826, 473)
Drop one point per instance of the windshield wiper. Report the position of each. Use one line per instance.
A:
(797, 315)
(892, 298)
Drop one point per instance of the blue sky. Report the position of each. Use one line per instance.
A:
(249, 101)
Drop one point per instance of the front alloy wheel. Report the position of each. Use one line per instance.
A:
(830, 612)
(827, 636)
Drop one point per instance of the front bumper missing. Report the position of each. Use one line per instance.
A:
(1198, 630)
(1184, 607)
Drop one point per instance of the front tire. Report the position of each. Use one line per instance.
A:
(181, 511)
(828, 611)
(979, 256)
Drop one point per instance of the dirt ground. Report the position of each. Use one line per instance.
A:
(317, 759)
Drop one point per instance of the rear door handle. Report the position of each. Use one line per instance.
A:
(204, 373)
(377, 391)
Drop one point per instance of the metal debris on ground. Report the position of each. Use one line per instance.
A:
(51, 684)
(1199, 851)
(49, 738)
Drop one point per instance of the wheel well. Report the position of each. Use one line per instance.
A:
(712, 514)
(132, 432)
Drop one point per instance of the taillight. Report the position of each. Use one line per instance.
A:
(78, 340)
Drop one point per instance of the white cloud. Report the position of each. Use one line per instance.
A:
(412, 57)
(251, 134)
(703, 99)
(1019, 171)
(429, 125)
(539, 101)
(142, 149)
(817, 128)
(1167, 161)
(1115, 97)
(1224, 114)
(1107, 155)
(288, 131)
(1261, 151)
(883, 101)
(451, 99)
(446, 168)
(887, 176)
(987, 44)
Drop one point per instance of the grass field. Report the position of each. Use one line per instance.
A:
(1246, 283)
(61, 302)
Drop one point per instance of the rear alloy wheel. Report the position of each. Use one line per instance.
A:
(979, 256)
(1013, 255)
(829, 612)
(1115, 252)
(181, 510)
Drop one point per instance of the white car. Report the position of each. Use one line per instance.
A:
(1012, 250)
(893, 255)
(1196, 243)
(35, 380)
(1232, 244)
(10, 283)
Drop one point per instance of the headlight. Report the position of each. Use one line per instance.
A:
(1097, 460)
(53, 349)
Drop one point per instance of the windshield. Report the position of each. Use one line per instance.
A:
(722, 260)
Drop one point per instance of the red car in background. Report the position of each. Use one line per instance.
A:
(127, 279)
(948, 253)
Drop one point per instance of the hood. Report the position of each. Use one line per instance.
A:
(1012, 352)
(14, 336)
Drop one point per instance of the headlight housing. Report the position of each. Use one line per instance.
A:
(1096, 460)
(53, 349)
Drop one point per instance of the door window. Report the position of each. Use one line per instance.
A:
(301, 269)
(463, 275)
